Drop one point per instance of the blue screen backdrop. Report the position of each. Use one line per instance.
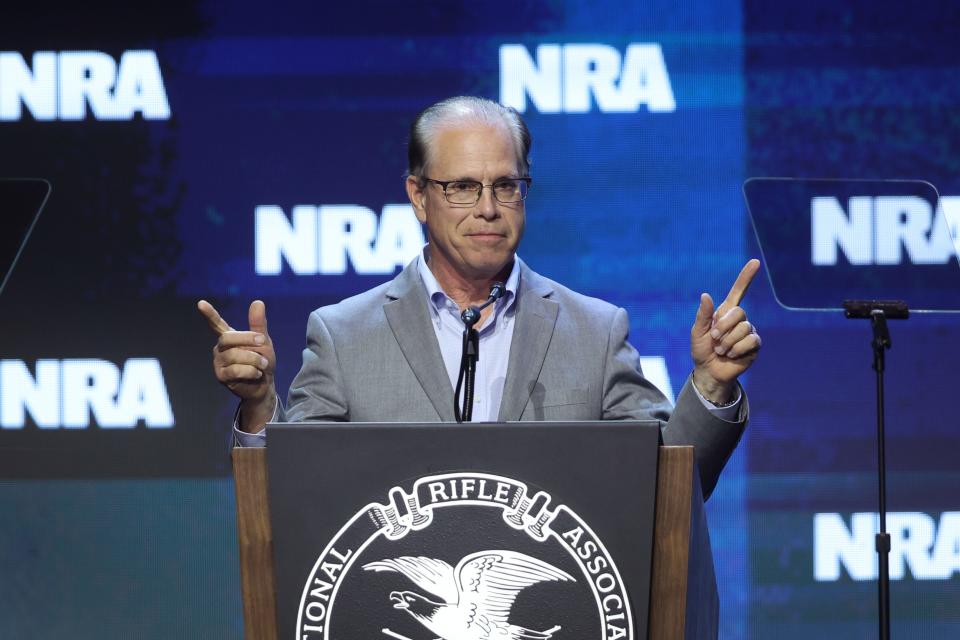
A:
(235, 151)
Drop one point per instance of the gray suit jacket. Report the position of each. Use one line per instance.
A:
(375, 358)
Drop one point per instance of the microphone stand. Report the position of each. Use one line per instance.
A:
(468, 367)
(878, 311)
(470, 355)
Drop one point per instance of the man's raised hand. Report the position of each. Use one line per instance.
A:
(244, 362)
(723, 342)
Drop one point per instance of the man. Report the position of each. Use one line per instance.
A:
(547, 353)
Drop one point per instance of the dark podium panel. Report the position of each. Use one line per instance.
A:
(533, 530)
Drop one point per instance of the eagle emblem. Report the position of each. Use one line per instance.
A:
(473, 600)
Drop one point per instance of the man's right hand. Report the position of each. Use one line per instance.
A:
(244, 362)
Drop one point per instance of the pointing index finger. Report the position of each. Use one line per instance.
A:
(217, 323)
(742, 283)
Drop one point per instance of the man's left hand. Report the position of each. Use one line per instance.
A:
(724, 343)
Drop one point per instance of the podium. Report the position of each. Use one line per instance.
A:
(682, 589)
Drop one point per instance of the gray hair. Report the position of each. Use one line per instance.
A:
(456, 111)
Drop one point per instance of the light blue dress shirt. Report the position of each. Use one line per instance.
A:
(496, 336)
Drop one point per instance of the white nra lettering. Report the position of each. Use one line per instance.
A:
(73, 394)
(884, 230)
(68, 84)
(930, 551)
(323, 240)
(569, 78)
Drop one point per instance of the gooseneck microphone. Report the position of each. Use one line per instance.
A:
(471, 354)
(471, 315)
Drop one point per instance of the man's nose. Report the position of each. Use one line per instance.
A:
(487, 205)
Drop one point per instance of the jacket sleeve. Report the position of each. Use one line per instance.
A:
(628, 395)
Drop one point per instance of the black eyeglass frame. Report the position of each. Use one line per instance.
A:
(444, 183)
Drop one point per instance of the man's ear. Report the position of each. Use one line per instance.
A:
(417, 198)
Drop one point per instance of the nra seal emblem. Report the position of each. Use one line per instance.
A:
(465, 556)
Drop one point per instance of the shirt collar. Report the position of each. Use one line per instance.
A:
(438, 297)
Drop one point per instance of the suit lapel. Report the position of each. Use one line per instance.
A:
(409, 319)
(535, 321)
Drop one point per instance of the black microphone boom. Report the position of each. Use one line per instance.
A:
(471, 354)
(471, 315)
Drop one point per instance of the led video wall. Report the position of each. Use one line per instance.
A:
(236, 151)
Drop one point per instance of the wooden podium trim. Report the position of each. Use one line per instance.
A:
(671, 543)
(257, 579)
(676, 491)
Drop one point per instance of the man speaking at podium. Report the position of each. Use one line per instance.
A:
(392, 354)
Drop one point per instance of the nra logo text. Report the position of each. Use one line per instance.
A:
(571, 78)
(69, 85)
(326, 239)
(929, 549)
(883, 230)
(76, 394)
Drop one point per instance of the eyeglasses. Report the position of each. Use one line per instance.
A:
(505, 190)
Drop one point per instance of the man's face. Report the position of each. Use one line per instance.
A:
(476, 241)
